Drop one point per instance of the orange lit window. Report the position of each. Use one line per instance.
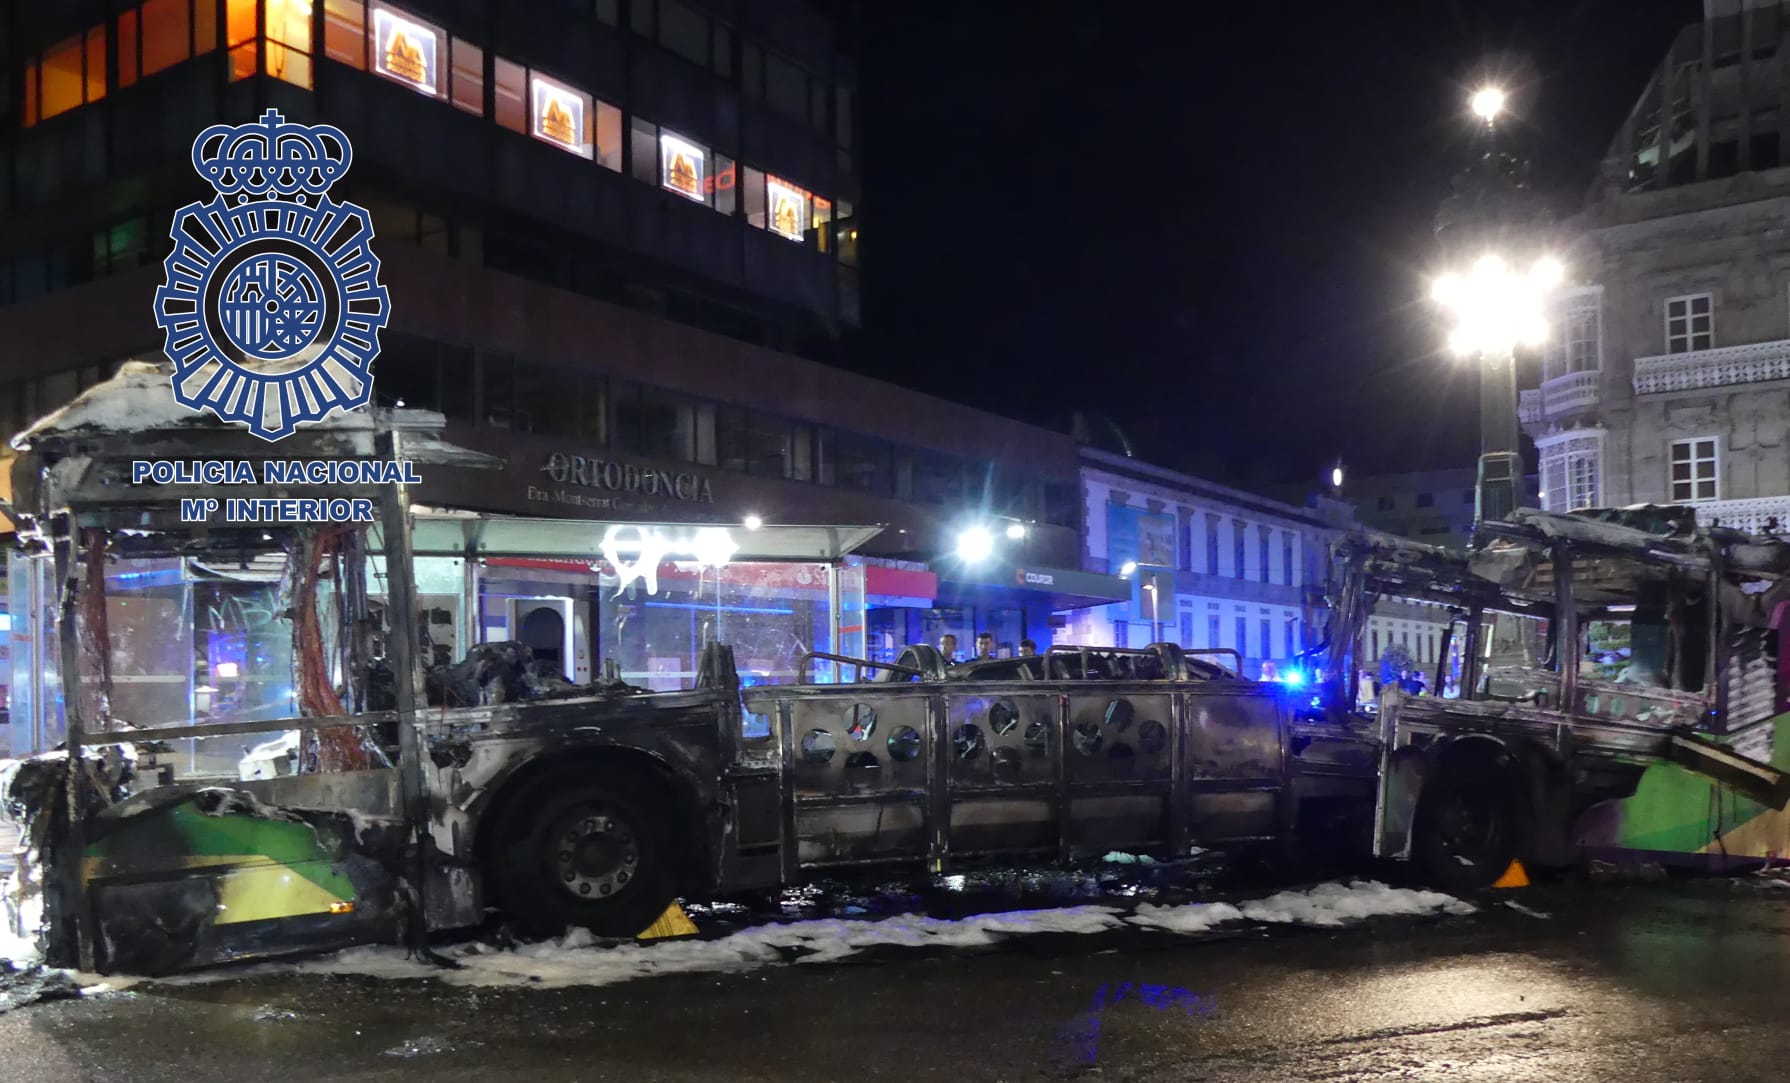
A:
(345, 32)
(205, 26)
(127, 48)
(63, 87)
(289, 41)
(165, 25)
(30, 116)
(239, 37)
(469, 76)
(509, 82)
(96, 63)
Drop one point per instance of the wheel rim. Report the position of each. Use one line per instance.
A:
(594, 852)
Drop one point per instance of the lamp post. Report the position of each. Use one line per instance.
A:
(1498, 299)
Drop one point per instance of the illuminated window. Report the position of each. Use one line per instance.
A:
(345, 32)
(787, 208)
(239, 37)
(559, 114)
(62, 86)
(289, 41)
(96, 63)
(127, 48)
(683, 167)
(165, 26)
(469, 77)
(407, 50)
(509, 82)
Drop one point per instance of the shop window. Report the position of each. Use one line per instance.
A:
(239, 37)
(407, 50)
(1695, 470)
(468, 76)
(345, 32)
(289, 41)
(786, 87)
(684, 31)
(509, 85)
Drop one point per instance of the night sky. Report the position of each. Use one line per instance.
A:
(1212, 224)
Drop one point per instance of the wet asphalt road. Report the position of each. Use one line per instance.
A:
(1662, 983)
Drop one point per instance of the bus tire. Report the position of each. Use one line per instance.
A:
(1470, 824)
(590, 853)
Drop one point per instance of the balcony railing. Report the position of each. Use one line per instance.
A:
(1755, 363)
(1529, 406)
(1751, 516)
(1574, 391)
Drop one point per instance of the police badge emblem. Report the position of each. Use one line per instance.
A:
(272, 306)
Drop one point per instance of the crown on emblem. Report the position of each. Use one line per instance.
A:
(271, 155)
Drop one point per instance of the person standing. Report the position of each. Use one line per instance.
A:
(984, 645)
(1028, 649)
(948, 648)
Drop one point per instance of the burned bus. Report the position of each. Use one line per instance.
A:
(1595, 649)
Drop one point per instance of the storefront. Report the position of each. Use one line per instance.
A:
(1009, 601)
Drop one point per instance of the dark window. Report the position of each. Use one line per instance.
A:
(544, 400)
(771, 446)
(1286, 559)
(1212, 552)
(1266, 563)
(1267, 638)
(786, 87)
(862, 463)
(1062, 503)
(938, 479)
(1212, 632)
(640, 17)
(1243, 637)
(1724, 159)
(1466, 496)
(1426, 500)
(1238, 548)
(1764, 150)
(409, 372)
(457, 382)
(730, 437)
(684, 31)
(1386, 503)
(497, 386)
(651, 422)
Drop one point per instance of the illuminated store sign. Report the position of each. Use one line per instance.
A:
(682, 166)
(611, 476)
(406, 50)
(788, 208)
(559, 114)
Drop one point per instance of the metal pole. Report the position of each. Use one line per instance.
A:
(1500, 461)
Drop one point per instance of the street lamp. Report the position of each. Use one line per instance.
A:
(975, 545)
(1487, 103)
(1336, 476)
(1497, 307)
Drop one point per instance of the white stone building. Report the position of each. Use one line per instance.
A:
(1214, 567)
(1667, 379)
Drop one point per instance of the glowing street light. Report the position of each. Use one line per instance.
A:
(1127, 568)
(1487, 103)
(1016, 531)
(1336, 476)
(975, 545)
(752, 521)
(1496, 307)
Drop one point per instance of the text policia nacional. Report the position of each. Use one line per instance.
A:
(225, 472)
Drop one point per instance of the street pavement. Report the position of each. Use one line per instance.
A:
(1674, 982)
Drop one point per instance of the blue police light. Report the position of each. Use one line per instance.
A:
(1292, 678)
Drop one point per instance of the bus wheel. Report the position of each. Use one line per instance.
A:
(1470, 825)
(587, 854)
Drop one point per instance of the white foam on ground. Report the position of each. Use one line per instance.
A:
(576, 959)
